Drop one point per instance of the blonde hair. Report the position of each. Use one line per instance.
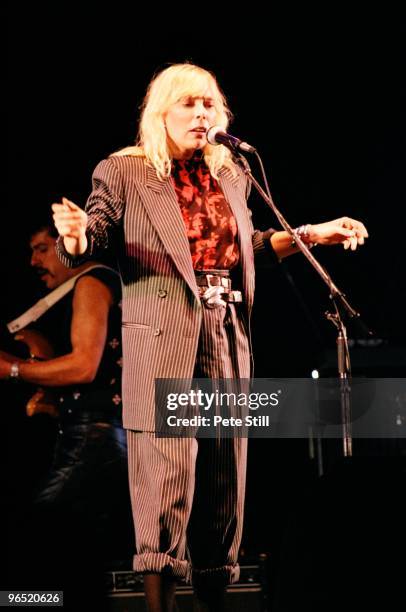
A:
(165, 89)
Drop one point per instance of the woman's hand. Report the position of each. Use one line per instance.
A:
(346, 231)
(71, 223)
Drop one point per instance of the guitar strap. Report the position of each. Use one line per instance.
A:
(39, 308)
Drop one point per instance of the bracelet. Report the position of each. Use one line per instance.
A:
(14, 371)
(303, 232)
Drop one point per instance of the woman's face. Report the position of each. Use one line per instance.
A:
(187, 122)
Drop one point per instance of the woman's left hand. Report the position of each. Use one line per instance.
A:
(346, 231)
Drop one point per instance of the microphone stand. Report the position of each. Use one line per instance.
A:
(338, 300)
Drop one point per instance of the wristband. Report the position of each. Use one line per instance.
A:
(303, 232)
(14, 371)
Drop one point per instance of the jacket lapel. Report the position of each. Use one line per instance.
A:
(231, 187)
(161, 203)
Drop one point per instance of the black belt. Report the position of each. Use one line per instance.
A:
(217, 278)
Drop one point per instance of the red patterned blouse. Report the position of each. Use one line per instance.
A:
(210, 225)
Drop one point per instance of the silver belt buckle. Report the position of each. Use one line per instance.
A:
(213, 300)
(224, 281)
(235, 296)
(208, 278)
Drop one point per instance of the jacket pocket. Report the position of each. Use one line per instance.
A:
(136, 325)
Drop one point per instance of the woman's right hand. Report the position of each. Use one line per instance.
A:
(71, 223)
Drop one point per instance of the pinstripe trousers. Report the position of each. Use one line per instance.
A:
(187, 494)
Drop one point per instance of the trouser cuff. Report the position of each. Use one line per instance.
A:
(215, 577)
(161, 563)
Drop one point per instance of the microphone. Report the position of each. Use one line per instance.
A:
(216, 135)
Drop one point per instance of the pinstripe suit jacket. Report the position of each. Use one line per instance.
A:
(161, 305)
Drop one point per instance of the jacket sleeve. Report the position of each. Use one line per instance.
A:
(105, 210)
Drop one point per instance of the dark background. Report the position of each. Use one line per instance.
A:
(321, 94)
